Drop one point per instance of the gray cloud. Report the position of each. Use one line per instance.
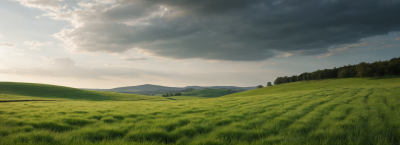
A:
(8, 44)
(386, 46)
(227, 30)
(134, 58)
(342, 50)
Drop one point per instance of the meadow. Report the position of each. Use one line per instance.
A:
(362, 111)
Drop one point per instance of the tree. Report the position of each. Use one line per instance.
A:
(343, 73)
(293, 78)
(269, 84)
(278, 81)
(168, 94)
(259, 86)
(363, 69)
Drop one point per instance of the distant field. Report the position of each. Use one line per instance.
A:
(337, 111)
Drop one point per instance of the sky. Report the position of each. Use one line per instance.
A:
(115, 43)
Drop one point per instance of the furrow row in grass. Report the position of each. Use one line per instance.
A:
(311, 121)
(344, 125)
(383, 127)
(271, 127)
(260, 118)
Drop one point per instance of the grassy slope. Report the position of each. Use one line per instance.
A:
(29, 91)
(208, 93)
(342, 111)
(323, 84)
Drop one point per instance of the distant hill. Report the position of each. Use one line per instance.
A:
(149, 89)
(146, 87)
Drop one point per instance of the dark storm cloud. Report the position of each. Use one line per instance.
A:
(204, 6)
(134, 58)
(234, 29)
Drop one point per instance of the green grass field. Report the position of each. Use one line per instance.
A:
(337, 111)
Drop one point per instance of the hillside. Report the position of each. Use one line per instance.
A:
(332, 111)
(329, 84)
(29, 91)
(209, 92)
(149, 89)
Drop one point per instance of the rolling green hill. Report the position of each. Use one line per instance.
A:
(336, 111)
(29, 91)
(324, 84)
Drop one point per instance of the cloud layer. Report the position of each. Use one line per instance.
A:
(65, 67)
(41, 4)
(8, 44)
(222, 30)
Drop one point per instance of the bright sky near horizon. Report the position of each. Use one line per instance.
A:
(114, 43)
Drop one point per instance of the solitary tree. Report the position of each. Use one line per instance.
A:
(259, 86)
(269, 84)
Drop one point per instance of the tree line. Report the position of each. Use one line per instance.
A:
(171, 94)
(377, 69)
